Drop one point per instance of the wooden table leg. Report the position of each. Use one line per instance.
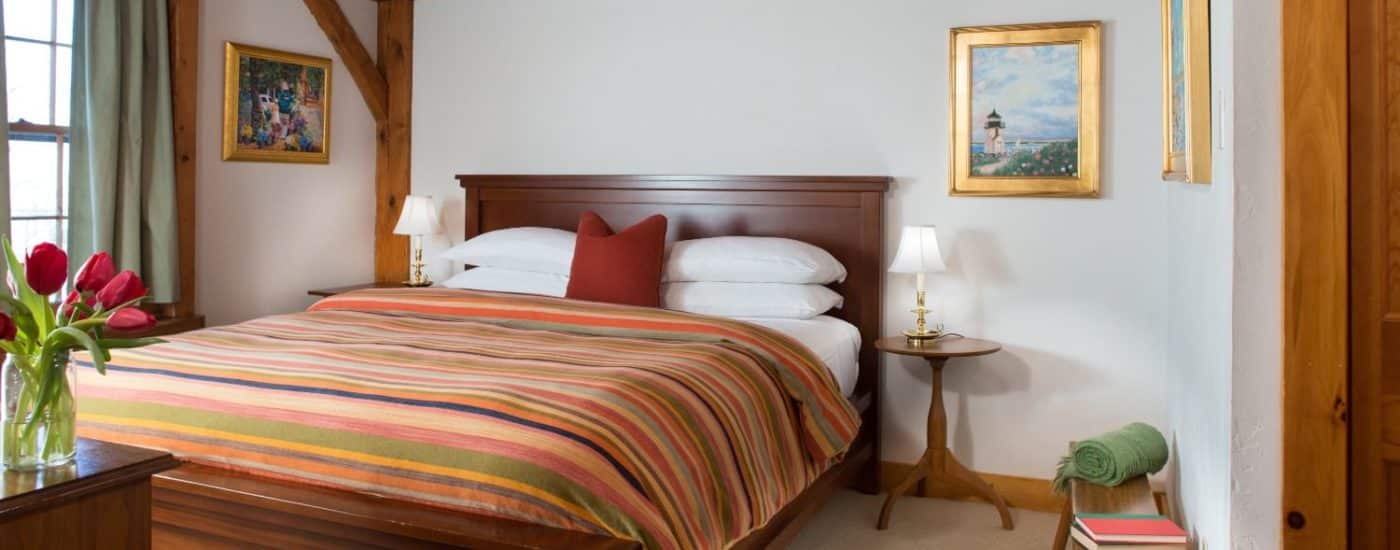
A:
(957, 472)
(938, 460)
(915, 474)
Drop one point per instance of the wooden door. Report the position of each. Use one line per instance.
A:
(1375, 273)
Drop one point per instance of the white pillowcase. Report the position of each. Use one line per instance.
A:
(751, 260)
(496, 279)
(779, 300)
(536, 249)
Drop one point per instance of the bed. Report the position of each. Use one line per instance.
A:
(237, 495)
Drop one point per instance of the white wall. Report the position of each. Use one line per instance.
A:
(1225, 324)
(267, 232)
(1256, 443)
(1075, 288)
(1200, 249)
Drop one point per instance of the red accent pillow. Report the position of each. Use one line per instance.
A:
(621, 268)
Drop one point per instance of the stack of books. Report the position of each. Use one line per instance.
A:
(1127, 531)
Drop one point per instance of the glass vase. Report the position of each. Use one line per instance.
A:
(39, 416)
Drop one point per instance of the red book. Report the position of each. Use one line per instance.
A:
(1130, 528)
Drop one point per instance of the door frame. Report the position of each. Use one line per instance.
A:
(1316, 329)
(1369, 271)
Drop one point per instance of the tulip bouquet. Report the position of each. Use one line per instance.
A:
(36, 335)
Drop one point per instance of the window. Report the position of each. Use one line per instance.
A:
(38, 74)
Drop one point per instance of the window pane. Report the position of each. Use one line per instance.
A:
(29, 18)
(63, 204)
(65, 22)
(27, 80)
(63, 85)
(33, 177)
(28, 233)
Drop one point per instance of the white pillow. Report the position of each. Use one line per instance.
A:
(780, 300)
(496, 279)
(537, 249)
(751, 260)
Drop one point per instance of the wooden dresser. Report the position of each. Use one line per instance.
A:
(102, 500)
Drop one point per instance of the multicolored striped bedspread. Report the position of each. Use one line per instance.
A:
(673, 429)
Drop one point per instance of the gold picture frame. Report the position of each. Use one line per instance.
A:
(1186, 125)
(277, 105)
(1048, 146)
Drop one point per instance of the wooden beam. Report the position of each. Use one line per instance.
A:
(391, 170)
(1315, 286)
(353, 53)
(183, 23)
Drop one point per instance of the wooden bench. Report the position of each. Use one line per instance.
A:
(1134, 496)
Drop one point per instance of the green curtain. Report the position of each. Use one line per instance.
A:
(4, 142)
(122, 186)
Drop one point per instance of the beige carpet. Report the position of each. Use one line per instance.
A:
(848, 521)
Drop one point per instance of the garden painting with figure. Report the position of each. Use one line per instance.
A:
(1025, 111)
(281, 106)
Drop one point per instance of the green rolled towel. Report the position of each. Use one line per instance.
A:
(1114, 457)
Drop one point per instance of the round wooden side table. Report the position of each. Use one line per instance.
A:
(938, 460)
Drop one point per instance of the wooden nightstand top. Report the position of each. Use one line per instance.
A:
(339, 289)
(943, 347)
(98, 467)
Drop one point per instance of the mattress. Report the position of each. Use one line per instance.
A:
(834, 341)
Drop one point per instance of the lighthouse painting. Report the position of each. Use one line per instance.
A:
(994, 144)
(1026, 109)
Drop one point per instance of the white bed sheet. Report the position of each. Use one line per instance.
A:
(834, 341)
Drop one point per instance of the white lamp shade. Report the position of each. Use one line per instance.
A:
(418, 217)
(918, 251)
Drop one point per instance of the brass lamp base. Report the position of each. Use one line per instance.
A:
(418, 279)
(919, 335)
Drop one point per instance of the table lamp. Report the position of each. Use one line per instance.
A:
(418, 218)
(918, 254)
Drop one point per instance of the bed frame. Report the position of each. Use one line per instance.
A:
(204, 507)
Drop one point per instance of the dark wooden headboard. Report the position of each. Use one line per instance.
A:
(842, 214)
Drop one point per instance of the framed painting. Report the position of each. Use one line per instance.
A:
(277, 105)
(1186, 94)
(1025, 110)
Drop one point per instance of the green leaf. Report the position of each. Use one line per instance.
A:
(89, 323)
(48, 381)
(13, 303)
(24, 320)
(36, 303)
(129, 303)
(69, 337)
(16, 270)
(118, 343)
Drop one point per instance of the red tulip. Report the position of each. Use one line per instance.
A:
(123, 288)
(131, 319)
(96, 272)
(7, 327)
(46, 268)
(66, 310)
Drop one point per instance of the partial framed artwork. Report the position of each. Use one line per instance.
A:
(1025, 110)
(1186, 90)
(277, 105)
